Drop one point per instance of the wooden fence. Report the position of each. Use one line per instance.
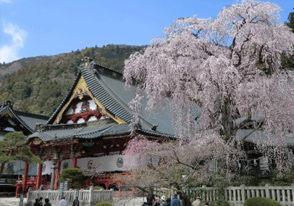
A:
(86, 197)
(236, 196)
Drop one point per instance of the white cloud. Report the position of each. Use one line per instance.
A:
(9, 52)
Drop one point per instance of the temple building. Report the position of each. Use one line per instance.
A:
(10, 121)
(91, 126)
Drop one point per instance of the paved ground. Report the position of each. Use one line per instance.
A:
(122, 201)
(10, 201)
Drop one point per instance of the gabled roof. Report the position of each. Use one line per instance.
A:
(25, 120)
(107, 87)
(31, 119)
(7, 108)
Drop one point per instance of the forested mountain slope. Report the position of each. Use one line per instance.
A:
(38, 84)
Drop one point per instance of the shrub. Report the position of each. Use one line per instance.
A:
(98, 188)
(261, 201)
(220, 202)
(74, 177)
(104, 203)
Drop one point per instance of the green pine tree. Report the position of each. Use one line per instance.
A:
(14, 147)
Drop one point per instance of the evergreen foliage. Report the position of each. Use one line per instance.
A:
(40, 87)
(261, 201)
(14, 147)
(104, 203)
(291, 21)
(98, 188)
(74, 177)
(288, 62)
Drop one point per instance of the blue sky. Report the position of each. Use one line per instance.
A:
(31, 28)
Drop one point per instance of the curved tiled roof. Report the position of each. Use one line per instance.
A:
(106, 96)
(108, 88)
(87, 132)
(4, 108)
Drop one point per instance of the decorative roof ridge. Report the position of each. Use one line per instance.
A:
(6, 103)
(156, 133)
(20, 120)
(27, 114)
(4, 108)
(48, 127)
(103, 67)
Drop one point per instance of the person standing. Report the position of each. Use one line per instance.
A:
(163, 201)
(157, 201)
(175, 201)
(41, 201)
(168, 201)
(76, 202)
(63, 202)
(47, 203)
(150, 200)
(197, 202)
(37, 202)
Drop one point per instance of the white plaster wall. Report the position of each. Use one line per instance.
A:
(92, 105)
(108, 163)
(47, 164)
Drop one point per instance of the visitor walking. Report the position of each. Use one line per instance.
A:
(175, 201)
(197, 202)
(47, 203)
(168, 201)
(63, 202)
(41, 201)
(150, 200)
(37, 203)
(76, 202)
(163, 201)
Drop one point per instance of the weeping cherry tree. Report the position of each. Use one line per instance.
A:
(223, 79)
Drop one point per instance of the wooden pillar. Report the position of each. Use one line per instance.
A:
(25, 177)
(107, 185)
(133, 191)
(119, 185)
(39, 177)
(75, 162)
(17, 190)
(57, 174)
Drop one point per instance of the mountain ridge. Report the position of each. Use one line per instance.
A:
(39, 84)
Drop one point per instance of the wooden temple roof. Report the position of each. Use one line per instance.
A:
(19, 121)
(107, 88)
